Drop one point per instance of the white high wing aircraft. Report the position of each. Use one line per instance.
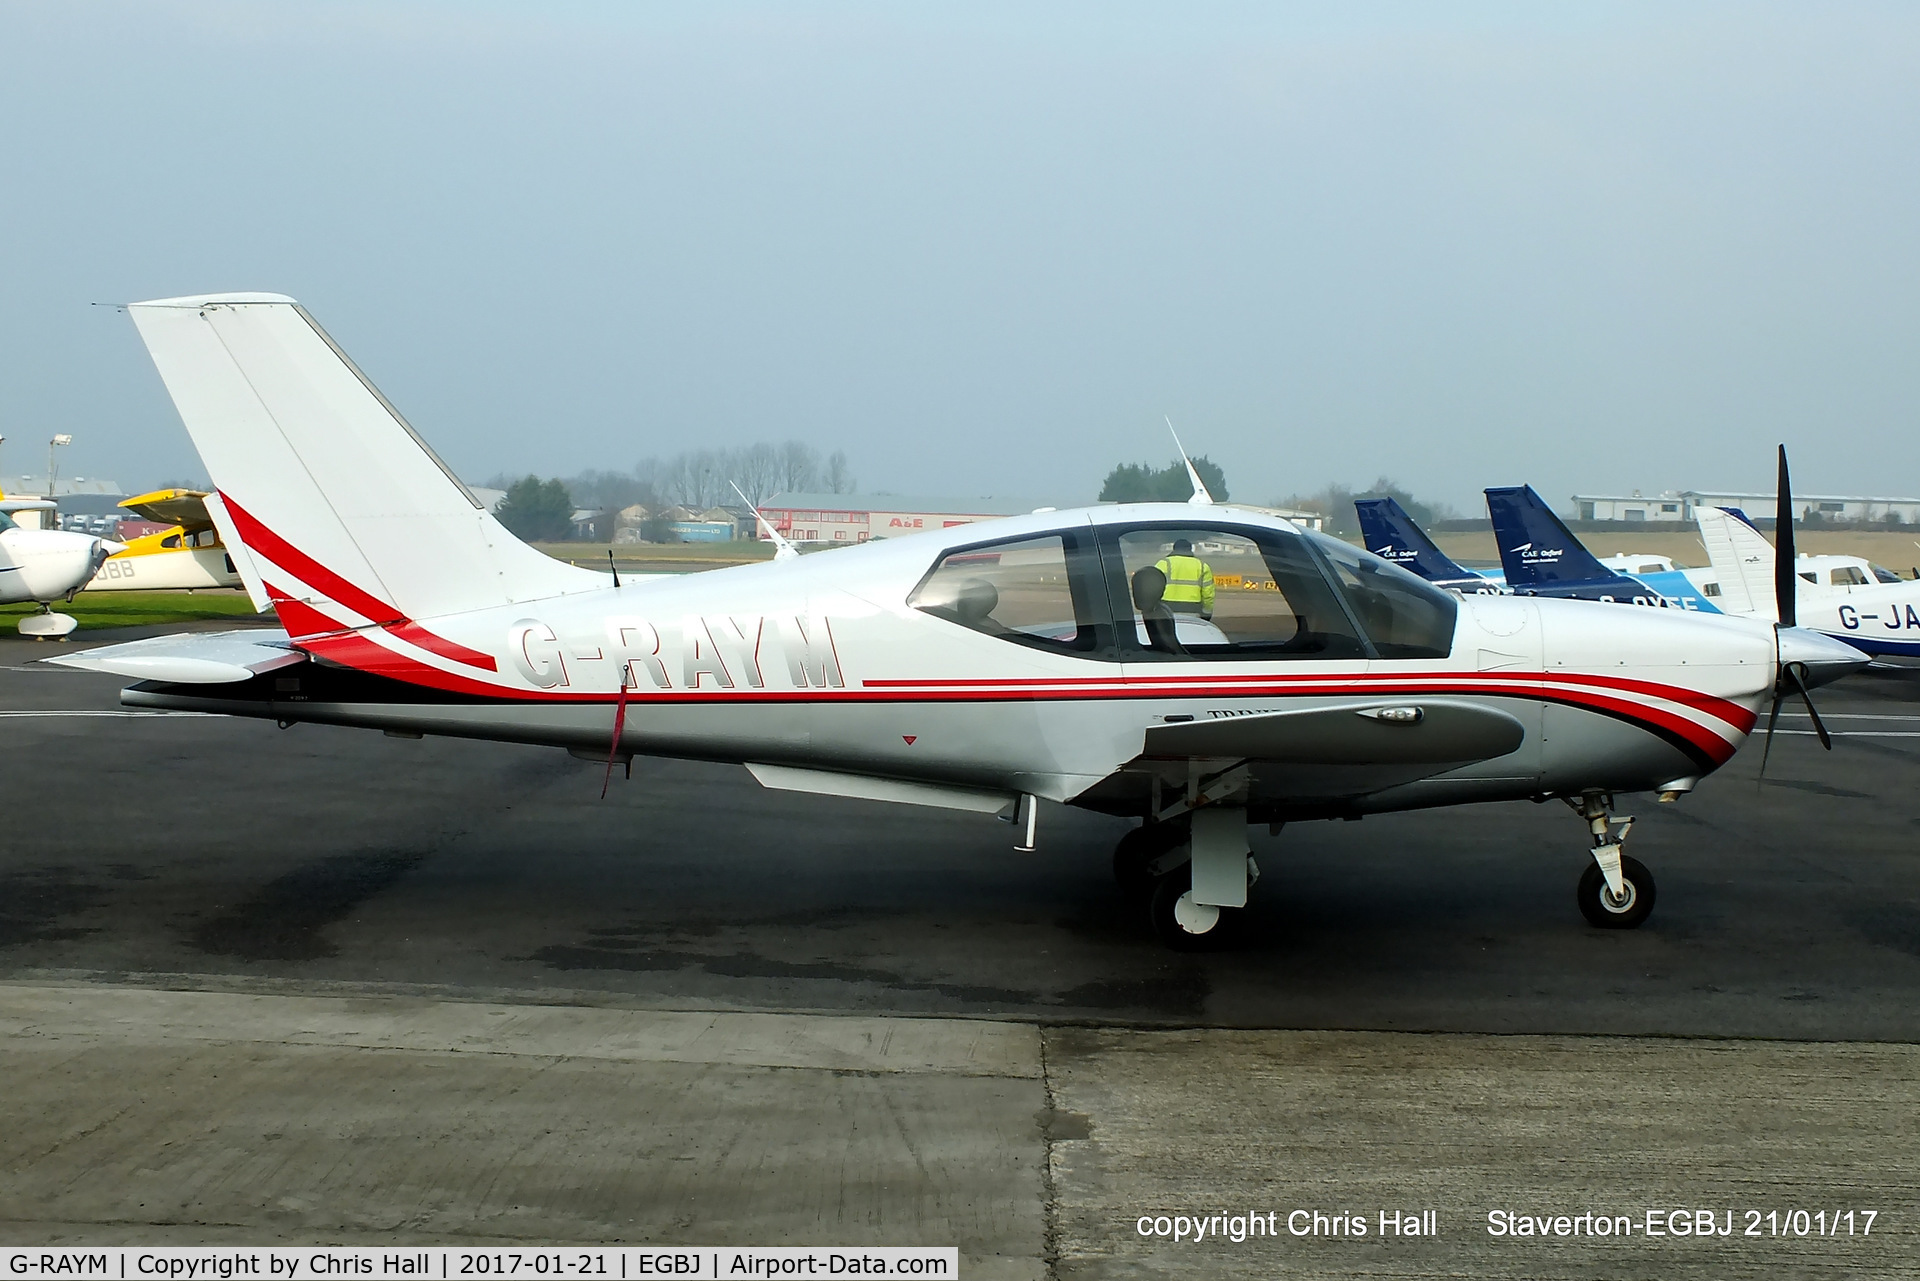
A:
(982, 668)
(1873, 615)
(46, 565)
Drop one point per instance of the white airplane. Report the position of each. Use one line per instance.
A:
(985, 668)
(46, 565)
(1870, 609)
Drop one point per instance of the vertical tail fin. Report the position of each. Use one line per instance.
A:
(337, 501)
(1392, 535)
(1537, 550)
(1742, 559)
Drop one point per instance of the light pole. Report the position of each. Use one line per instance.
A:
(61, 439)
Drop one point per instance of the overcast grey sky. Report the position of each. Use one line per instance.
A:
(984, 247)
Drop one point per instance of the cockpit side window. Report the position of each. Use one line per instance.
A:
(1196, 592)
(7, 522)
(1403, 615)
(1031, 591)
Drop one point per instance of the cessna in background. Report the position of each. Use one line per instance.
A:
(984, 668)
(188, 554)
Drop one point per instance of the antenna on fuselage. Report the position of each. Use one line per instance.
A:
(1201, 498)
(783, 550)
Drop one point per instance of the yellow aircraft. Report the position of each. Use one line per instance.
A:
(188, 555)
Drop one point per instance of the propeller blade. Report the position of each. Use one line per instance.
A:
(1766, 749)
(1796, 673)
(1785, 595)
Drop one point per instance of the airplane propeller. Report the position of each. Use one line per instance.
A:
(1793, 675)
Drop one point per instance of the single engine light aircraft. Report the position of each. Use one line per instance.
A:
(46, 565)
(984, 668)
(189, 554)
(1874, 611)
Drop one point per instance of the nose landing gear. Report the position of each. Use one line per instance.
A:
(1616, 891)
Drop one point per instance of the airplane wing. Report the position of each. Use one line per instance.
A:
(184, 507)
(1741, 557)
(205, 658)
(1422, 731)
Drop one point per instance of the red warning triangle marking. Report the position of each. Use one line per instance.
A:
(909, 738)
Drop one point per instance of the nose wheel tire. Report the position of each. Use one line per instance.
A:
(1136, 850)
(1181, 923)
(1630, 910)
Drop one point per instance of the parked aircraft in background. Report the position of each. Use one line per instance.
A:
(1392, 535)
(1541, 557)
(1872, 609)
(983, 668)
(46, 565)
(188, 554)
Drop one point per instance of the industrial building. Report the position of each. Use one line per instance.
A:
(855, 518)
(1679, 505)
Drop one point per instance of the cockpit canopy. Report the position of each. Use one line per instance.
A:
(1185, 589)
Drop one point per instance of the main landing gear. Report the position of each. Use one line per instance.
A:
(1190, 866)
(1616, 891)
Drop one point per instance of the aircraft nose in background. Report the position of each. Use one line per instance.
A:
(1825, 658)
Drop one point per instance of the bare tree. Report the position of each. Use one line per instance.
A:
(838, 480)
(799, 466)
(699, 478)
(756, 469)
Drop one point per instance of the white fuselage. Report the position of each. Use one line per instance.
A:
(823, 664)
(46, 564)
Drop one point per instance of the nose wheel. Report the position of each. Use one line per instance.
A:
(1616, 890)
(1626, 910)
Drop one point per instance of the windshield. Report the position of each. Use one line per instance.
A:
(1404, 615)
(6, 522)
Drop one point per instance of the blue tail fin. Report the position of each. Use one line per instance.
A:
(1390, 534)
(1536, 549)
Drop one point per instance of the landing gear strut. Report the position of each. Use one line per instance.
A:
(1616, 891)
(1190, 863)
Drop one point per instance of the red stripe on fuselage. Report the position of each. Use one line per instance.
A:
(355, 650)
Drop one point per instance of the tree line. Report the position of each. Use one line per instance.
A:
(542, 510)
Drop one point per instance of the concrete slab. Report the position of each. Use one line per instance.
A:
(142, 1116)
(1217, 1122)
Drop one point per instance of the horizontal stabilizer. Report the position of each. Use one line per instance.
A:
(1537, 550)
(1425, 732)
(204, 658)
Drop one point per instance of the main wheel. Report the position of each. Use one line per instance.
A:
(1627, 912)
(1181, 923)
(1137, 850)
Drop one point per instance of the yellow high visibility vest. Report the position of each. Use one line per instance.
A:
(1189, 582)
